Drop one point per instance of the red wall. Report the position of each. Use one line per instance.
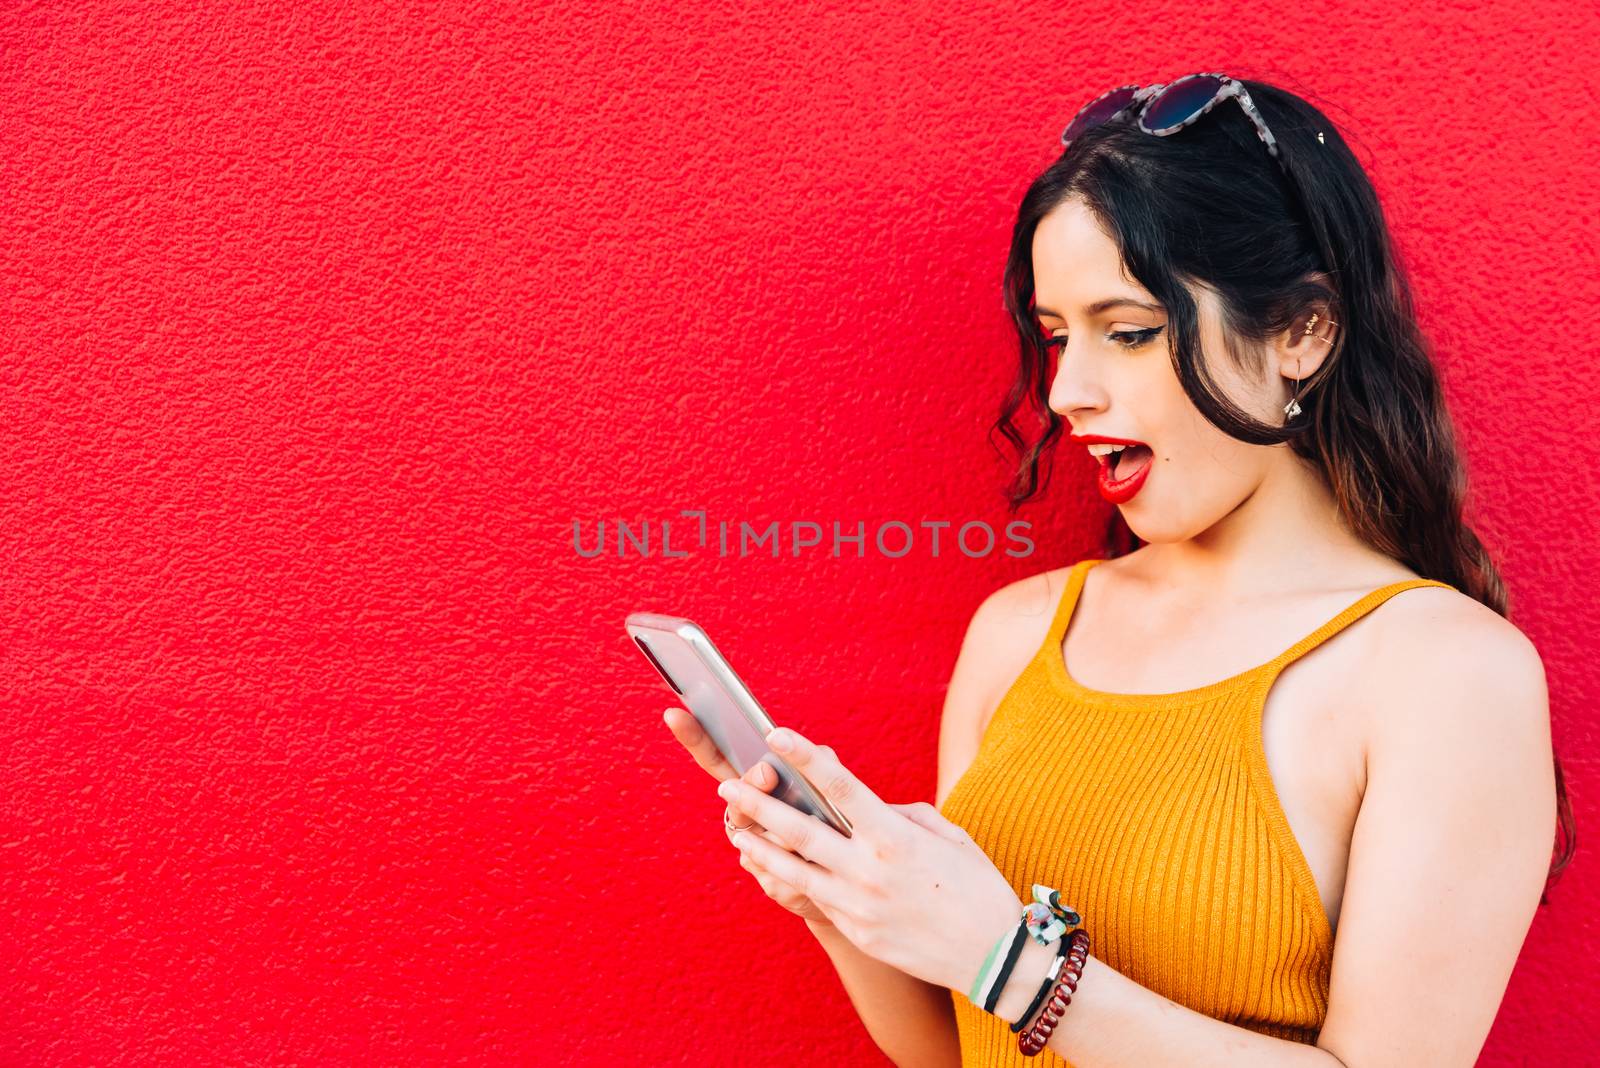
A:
(321, 742)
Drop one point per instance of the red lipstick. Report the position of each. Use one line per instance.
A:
(1121, 475)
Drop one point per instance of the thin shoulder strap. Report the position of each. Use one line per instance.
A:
(1070, 592)
(1352, 613)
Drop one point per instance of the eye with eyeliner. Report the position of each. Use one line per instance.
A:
(1128, 339)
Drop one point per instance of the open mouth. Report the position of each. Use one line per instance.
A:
(1127, 462)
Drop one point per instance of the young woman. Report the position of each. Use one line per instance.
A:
(1286, 759)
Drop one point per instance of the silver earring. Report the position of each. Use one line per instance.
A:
(1292, 409)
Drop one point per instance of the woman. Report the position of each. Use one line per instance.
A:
(1286, 760)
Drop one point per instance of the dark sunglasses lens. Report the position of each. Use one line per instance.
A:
(1180, 101)
(1097, 112)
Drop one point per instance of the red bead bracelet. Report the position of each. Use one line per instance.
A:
(1032, 1041)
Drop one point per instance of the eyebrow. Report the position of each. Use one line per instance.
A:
(1103, 305)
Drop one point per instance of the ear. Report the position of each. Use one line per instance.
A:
(1304, 347)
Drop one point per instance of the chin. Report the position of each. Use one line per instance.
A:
(1155, 525)
(1148, 528)
(1156, 537)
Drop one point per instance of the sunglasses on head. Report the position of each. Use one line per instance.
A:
(1165, 109)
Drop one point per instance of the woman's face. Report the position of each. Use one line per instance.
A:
(1113, 377)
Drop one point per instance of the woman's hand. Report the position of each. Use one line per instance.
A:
(761, 777)
(908, 887)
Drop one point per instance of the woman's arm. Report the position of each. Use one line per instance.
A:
(1448, 859)
(912, 1022)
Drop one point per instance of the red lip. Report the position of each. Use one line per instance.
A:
(1101, 439)
(1114, 490)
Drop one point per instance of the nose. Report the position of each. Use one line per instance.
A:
(1073, 392)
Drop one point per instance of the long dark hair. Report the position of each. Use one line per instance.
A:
(1209, 205)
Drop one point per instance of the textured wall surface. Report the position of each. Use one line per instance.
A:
(322, 744)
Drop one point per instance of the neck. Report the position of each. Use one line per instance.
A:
(1285, 535)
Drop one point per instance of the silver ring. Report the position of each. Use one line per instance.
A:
(730, 826)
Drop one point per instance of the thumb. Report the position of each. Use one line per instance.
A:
(926, 816)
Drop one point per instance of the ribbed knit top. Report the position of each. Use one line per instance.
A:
(1155, 817)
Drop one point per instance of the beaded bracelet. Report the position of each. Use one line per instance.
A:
(1044, 920)
(1033, 1042)
(1044, 988)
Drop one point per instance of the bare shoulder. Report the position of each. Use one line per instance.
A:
(1444, 665)
(1456, 824)
(1005, 631)
(1020, 610)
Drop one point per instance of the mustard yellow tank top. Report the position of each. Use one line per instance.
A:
(1155, 817)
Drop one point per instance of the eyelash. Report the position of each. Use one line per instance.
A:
(1140, 338)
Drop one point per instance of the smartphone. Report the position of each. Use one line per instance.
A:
(691, 666)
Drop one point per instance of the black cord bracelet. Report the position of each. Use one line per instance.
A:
(1005, 969)
(1064, 943)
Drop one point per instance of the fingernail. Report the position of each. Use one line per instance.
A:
(727, 790)
(781, 740)
(742, 839)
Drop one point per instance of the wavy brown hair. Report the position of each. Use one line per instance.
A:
(1210, 206)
